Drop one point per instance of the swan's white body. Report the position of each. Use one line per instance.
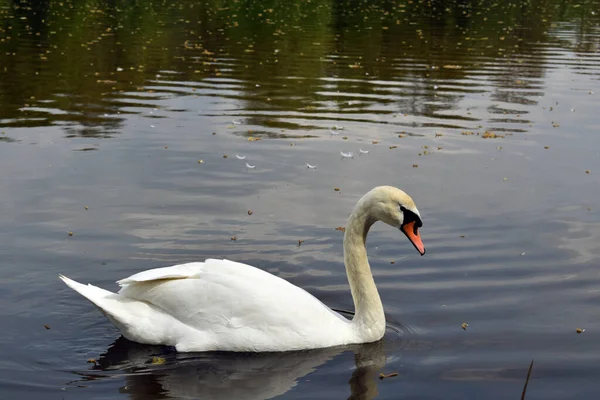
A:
(226, 305)
(218, 305)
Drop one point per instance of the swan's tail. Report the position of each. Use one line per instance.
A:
(90, 292)
(137, 320)
(106, 301)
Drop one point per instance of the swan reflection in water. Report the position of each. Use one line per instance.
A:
(155, 372)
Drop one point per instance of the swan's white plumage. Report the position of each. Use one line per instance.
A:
(230, 306)
(218, 305)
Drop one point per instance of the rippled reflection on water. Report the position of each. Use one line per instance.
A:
(486, 113)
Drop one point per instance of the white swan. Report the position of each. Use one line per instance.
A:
(226, 305)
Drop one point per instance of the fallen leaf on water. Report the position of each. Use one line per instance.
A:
(234, 238)
(341, 229)
(438, 135)
(253, 139)
(158, 360)
(587, 171)
(250, 212)
(46, 326)
(375, 141)
(225, 156)
(300, 242)
(200, 161)
(91, 361)
(491, 135)
(464, 326)
(70, 233)
(415, 165)
(466, 133)
(579, 330)
(546, 147)
(336, 189)
(393, 147)
(390, 375)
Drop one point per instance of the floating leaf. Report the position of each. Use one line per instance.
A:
(158, 360)
(491, 135)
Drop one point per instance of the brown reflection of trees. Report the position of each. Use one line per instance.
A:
(75, 61)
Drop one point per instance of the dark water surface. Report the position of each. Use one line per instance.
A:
(128, 108)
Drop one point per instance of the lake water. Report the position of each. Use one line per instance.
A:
(115, 120)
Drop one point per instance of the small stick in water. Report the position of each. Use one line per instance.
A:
(390, 375)
(527, 380)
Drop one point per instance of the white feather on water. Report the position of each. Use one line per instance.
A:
(310, 166)
(363, 151)
(240, 157)
(250, 166)
(347, 155)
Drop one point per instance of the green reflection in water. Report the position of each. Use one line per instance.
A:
(81, 63)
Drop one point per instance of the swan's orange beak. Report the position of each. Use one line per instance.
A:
(412, 233)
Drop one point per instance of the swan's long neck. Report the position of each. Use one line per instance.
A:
(369, 319)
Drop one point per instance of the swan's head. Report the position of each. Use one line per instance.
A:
(394, 207)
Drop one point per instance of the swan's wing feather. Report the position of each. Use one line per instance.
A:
(175, 272)
(191, 270)
(221, 297)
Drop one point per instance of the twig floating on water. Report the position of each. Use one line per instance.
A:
(527, 380)
(390, 375)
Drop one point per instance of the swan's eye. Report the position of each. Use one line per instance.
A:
(410, 216)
